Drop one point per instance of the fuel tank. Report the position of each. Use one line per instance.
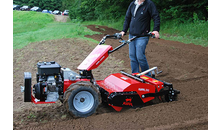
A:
(95, 58)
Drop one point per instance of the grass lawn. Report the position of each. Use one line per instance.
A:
(31, 27)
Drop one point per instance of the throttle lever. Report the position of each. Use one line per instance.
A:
(122, 41)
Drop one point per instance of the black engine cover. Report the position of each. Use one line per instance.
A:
(48, 68)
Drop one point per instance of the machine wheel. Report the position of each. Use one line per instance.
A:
(38, 91)
(81, 99)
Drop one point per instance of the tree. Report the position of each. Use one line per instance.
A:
(182, 9)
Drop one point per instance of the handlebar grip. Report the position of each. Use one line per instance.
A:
(152, 35)
(118, 35)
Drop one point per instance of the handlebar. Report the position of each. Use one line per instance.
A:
(124, 42)
(129, 40)
(115, 36)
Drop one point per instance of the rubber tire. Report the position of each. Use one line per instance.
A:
(39, 92)
(76, 88)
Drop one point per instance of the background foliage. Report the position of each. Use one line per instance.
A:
(180, 10)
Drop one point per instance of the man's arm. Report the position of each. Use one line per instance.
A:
(127, 20)
(156, 18)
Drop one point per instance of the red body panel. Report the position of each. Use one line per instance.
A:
(95, 58)
(68, 82)
(116, 107)
(121, 83)
(158, 84)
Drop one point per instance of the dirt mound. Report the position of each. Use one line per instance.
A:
(61, 18)
(184, 65)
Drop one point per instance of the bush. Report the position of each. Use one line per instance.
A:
(83, 10)
(88, 10)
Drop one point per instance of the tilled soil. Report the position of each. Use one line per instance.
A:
(184, 65)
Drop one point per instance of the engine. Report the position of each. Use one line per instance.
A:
(49, 82)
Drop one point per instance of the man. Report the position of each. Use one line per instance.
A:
(137, 20)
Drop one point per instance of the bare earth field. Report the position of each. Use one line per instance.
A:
(184, 65)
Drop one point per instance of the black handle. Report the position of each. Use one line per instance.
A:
(115, 36)
(124, 42)
(118, 47)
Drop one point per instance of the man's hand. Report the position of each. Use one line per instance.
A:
(122, 33)
(156, 33)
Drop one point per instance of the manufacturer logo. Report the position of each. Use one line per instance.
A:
(143, 89)
(128, 102)
(100, 60)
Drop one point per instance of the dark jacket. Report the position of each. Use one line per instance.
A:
(140, 24)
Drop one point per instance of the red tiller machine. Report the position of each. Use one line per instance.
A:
(81, 93)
